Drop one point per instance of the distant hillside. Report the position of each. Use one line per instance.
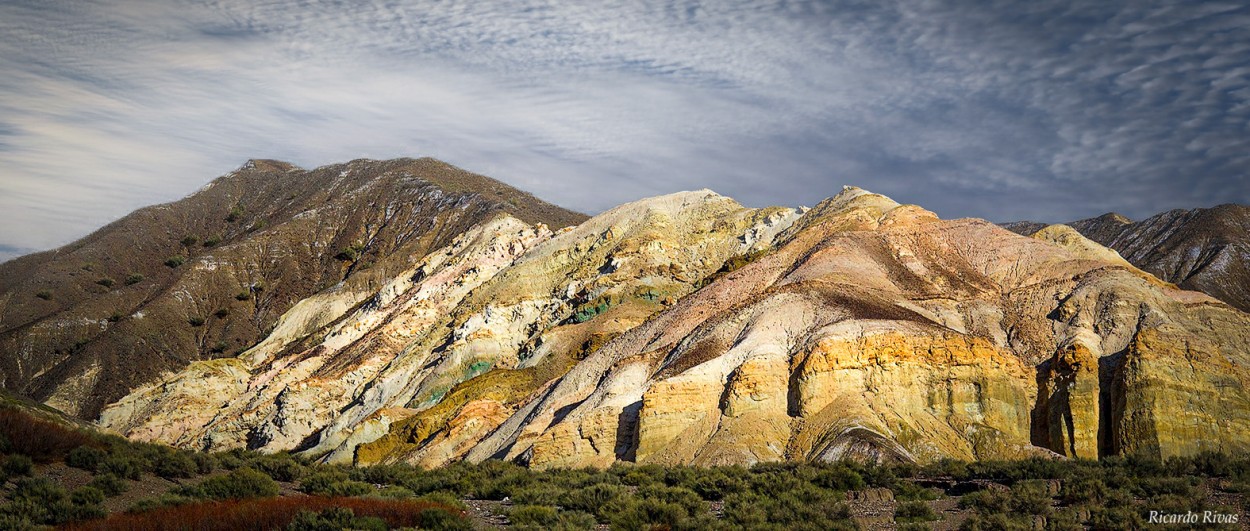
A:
(1204, 249)
(210, 275)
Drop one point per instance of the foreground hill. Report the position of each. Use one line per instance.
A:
(210, 275)
(1204, 249)
(687, 329)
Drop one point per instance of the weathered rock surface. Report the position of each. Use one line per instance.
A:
(83, 325)
(689, 329)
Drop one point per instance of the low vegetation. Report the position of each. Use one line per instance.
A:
(246, 490)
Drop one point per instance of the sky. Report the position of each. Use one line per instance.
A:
(1044, 110)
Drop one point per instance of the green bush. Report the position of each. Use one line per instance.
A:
(124, 466)
(17, 465)
(189, 241)
(591, 499)
(110, 484)
(445, 498)
(212, 241)
(280, 467)
(87, 495)
(540, 516)
(914, 511)
(239, 483)
(175, 464)
(805, 508)
(86, 457)
(333, 482)
(134, 278)
(175, 261)
(839, 478)
(334, 519)
(910, 491)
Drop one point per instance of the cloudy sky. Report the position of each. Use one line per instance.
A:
(1042, 109)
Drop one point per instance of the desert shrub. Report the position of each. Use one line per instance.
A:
(133, 279)
(236, 213)
(1183, 486)
(232, 459)
(280, 467)
(44, 294)
(106, 282)
(590, 499)
(128, 466)
(41, 501)
(175, 261)
(986, 501)
(243, 296)
(1117, 517)
(42, 441)
(644, 513)
(87, 495)
(174, 464)
(443, 498)
(1064, 520)
(221, 313)
(196, 321)
(212, 241)
(393, 492)
(1082, 491)
(805, 508)
(334, 519)
(910, 491)
(718, 483)
(1030, 497)
(539, 494)
(17, 465)
(240, 483)
(188, 241)
(109, 484)
(840, 478)
(914, 511)
(333, 482)
(687, 499)
(278, 513)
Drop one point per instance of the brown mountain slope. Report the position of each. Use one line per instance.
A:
(1204, 249)
(210, 275)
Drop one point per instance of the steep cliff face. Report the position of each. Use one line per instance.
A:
(1205, 249)
(210, 275)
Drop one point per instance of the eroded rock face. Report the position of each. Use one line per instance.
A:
(687, 329)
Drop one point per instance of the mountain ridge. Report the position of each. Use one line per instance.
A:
(687, 329)
(315, 226)
(1204, 249)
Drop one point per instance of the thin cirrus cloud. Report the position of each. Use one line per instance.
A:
(1007, 110)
